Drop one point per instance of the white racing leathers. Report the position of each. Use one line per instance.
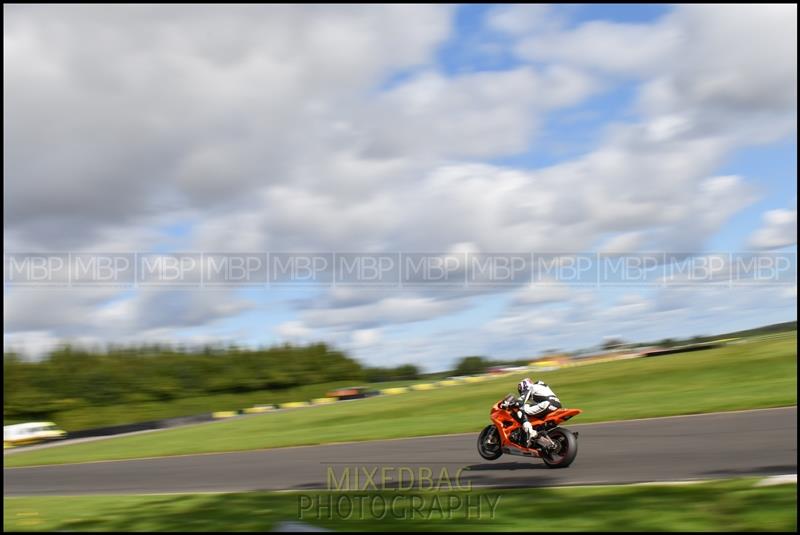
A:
(537, 402)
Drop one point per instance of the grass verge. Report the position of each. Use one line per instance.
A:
(738, 376)
(735, 505)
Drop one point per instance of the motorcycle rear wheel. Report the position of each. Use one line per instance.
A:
(568, 448)
(489, 443)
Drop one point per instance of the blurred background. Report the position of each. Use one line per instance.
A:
(216, 211)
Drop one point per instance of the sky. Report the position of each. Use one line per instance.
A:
(442, 129)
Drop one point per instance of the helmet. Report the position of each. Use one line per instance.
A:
(524, 385)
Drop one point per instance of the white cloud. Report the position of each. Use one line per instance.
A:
(779, 230)
(197, 107)
(364, 338)
(179, 308)
(294, 330)
(63, 310)
(705, 69)
(606, 46)
(471, 115)
(393, 309)
(629, 307)
(627, 242)
(540, 293)
(790, 293)
(520, 19)
(367, 172)
(116, 314)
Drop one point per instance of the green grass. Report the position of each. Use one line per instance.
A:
(738, 376)
(735, 505)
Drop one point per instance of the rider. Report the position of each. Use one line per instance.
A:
(535, 399)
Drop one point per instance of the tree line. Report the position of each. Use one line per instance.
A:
(70, 377)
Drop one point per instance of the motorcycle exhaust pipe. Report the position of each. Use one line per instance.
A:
(515, 451)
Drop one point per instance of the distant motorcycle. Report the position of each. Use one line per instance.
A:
(555, 445)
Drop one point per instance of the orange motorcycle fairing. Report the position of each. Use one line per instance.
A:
(505, 423)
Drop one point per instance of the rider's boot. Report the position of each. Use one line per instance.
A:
(531, 432)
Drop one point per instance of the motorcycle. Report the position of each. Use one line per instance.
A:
(556, 446)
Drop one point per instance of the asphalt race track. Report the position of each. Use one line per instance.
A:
(761, 442)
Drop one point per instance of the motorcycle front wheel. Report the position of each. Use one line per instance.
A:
(489, 443)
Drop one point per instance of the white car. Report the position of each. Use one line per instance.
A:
(30, 433)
